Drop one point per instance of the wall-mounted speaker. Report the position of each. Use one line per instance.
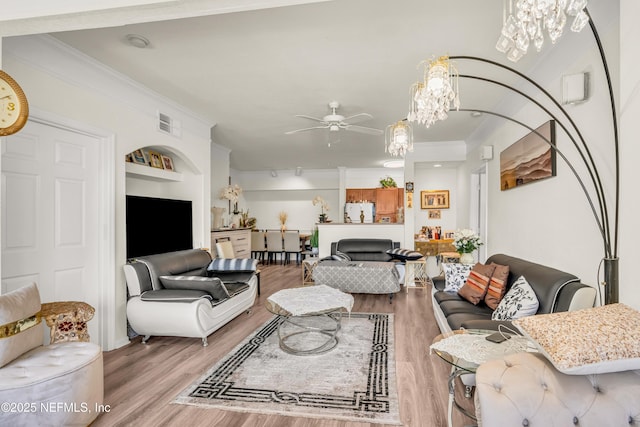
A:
(486, 152)
(575, 88)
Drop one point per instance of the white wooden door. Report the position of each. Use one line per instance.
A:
(50, 215)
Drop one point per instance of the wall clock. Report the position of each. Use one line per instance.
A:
(14, 108)
(409, 187)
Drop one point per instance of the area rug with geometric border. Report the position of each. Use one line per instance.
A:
(356, 381)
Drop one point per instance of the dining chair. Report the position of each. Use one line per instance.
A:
(258, 245)
(225, 249)
(292, 245)
(274, 245)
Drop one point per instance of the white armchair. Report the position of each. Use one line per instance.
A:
(34, 377)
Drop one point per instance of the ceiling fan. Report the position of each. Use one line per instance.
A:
(334, 122)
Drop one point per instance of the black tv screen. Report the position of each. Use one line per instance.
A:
(156, 225)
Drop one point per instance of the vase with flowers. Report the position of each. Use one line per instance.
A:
(324, 206)
(232, 194)
(283, 220)
(466, 241)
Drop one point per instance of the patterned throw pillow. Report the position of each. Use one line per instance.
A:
(519, 302)
(497, 286)
(233, 264)
(477, 283)
(404, 254)
(590, 341)
(340, 256)
(455, 276)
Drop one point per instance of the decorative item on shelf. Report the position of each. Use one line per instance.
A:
(361, 216)
(432, 97)
(216, 220)
(399, 138)
(232, 194)
(139, 157)
(324, 206)
(466, 241)
(167, 162)
(531, 17)
(283, 220)
(388, 182)
(246, 221)
(155, 159)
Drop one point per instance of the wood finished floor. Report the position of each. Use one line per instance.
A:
(141, 380)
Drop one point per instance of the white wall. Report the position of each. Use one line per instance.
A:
(630, 150)
(68, 84)
(429, 178)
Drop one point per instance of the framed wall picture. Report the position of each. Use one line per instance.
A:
(139, 157)
(434, 214)
(167, 162)
(529, 159)
(155, 159)
(434, 199)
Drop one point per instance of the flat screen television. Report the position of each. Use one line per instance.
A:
(157, 225)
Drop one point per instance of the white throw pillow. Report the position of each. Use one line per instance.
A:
(519, 302)
(455, 276)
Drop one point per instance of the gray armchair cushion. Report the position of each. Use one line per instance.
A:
(175, 295)
(211, 285)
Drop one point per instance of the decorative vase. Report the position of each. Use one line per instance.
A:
(216, 220)
(323, 217)
(235, 220)
(361, 217)
(466, 258)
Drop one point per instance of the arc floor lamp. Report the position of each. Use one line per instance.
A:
(607, 221)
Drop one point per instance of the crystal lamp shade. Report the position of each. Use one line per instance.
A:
(431, 98)
(531, 18)
(399, 138)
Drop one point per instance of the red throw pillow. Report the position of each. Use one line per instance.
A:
(477, 283)
(497, 286)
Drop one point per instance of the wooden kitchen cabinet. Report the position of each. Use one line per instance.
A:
(387, 200)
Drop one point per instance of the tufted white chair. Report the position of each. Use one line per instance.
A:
(67, 375)
(524, 389)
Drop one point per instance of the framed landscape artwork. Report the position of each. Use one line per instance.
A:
(530, 159)
(434, 199)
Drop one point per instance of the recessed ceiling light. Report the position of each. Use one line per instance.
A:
(136, 40)
(393, 164)
(476, 114)
(437, 165)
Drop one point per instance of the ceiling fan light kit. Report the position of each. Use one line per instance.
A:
(335, 122)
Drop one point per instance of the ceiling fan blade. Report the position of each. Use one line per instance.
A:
(303, 116)
(363, 129)
(357, 118)
(304, 130)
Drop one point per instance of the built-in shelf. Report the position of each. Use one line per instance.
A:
(155, 174)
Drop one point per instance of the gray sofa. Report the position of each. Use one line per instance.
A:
(186, 310)
(365, 249)
(555, 290)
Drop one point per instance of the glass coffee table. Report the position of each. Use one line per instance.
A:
(311, 318)
(465, 350)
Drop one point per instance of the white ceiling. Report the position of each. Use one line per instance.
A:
(250, 72)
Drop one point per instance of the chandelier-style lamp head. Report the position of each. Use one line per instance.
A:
(399, 138)
(431, 99)
(531, 17)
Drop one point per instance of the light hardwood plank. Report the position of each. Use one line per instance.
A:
(142, 380)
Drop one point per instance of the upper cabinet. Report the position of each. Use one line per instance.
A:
(387, 201)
